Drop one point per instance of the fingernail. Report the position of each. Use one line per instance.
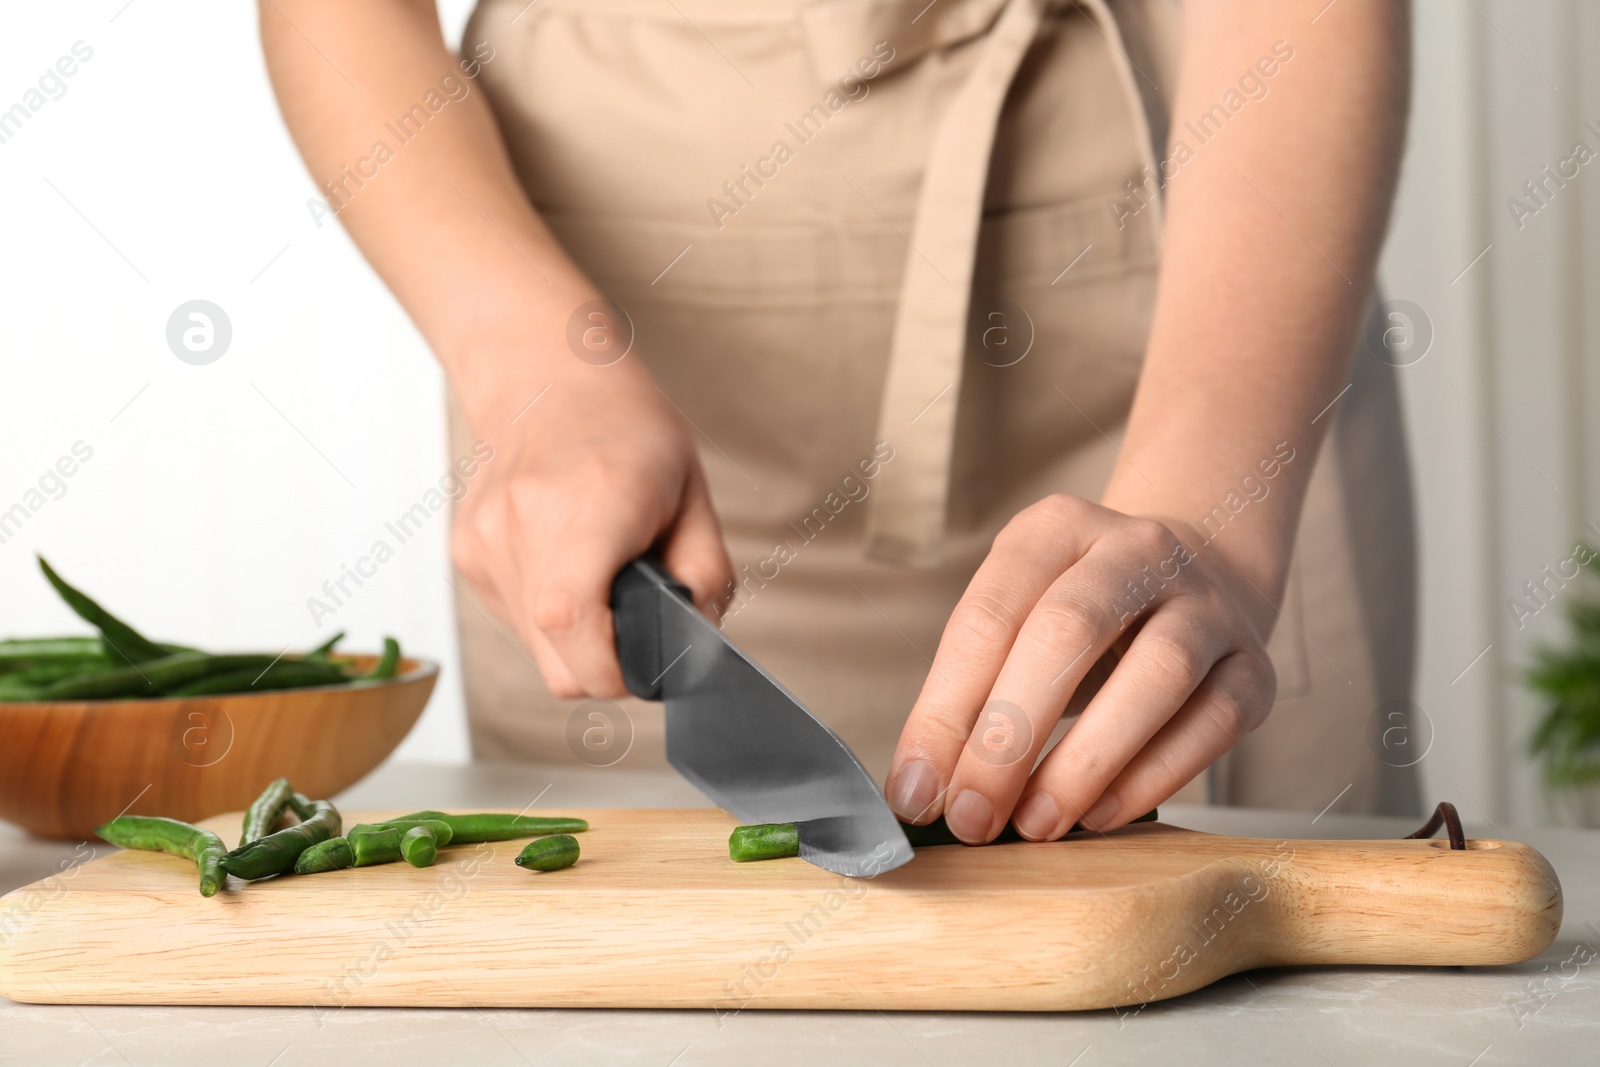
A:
(970, 817)
(1037, 816)
(914, 790)
(1105, 809)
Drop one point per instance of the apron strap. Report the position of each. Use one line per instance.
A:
(906, 512)
(839, 33)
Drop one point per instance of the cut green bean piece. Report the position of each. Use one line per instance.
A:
(156, 834)
(763, 841)
(374, 844)
(549, 853)
(438, 827)
(277, 852)
(419, 846)
(261, 818)
(770, 841)
(122, 641)
(334, 854)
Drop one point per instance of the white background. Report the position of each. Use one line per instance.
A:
(219, 498)
(222, 496)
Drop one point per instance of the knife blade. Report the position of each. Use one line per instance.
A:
(742, 738)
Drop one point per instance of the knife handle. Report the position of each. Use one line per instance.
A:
(636, 606)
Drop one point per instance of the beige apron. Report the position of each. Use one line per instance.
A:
(868, 249)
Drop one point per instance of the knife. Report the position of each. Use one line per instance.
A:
(741, 737)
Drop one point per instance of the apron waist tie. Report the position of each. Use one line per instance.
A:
(906, 511)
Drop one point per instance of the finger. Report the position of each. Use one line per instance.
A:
(693, 551)
(569, 601)
(1020, 567)
(1071, 627)
(1233, 700)
(488, 574)
(1164, 665)
(560, 681)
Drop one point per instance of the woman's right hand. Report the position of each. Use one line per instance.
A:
(598, 470)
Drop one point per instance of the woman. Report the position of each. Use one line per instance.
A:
(972, 357)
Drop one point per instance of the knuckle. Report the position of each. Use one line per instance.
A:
(983, 619)
(1079, 774)
(1152, 538)
(1227, 712)
(1054, 511)
(557, 610)
(486, 525)
(1173, 660)
(1067, 624)
(942, 731)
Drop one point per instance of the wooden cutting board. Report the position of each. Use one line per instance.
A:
(655, 915)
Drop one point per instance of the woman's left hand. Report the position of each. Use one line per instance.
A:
(1066, 582)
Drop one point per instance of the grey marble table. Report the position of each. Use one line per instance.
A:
(1543, 1012)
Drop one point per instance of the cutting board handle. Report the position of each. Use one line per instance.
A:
(636, 611)
(1410, 902)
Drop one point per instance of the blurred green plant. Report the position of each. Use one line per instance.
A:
(1567, 739)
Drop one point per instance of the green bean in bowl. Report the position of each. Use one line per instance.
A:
(121, 663)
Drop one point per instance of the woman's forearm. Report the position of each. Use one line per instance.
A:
(1272, 232)
(440, 215)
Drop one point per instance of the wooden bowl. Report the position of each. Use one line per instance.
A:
(68, 766)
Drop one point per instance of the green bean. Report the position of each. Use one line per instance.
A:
(419, 846)
(285, 674)
(29, 650)
(28, 682)
(322, 650)
(265, 811)
(372, 845)
(178, 838)
(770, 841)
(937, 833)
(497, 826)
(438, 827)
(303, 808)
(549, 853)
(122, 640)
(13, 691)
(152, 677)
(387, 664)
(334, 854)
(54, 670)
(763, 841)
(276, 853)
